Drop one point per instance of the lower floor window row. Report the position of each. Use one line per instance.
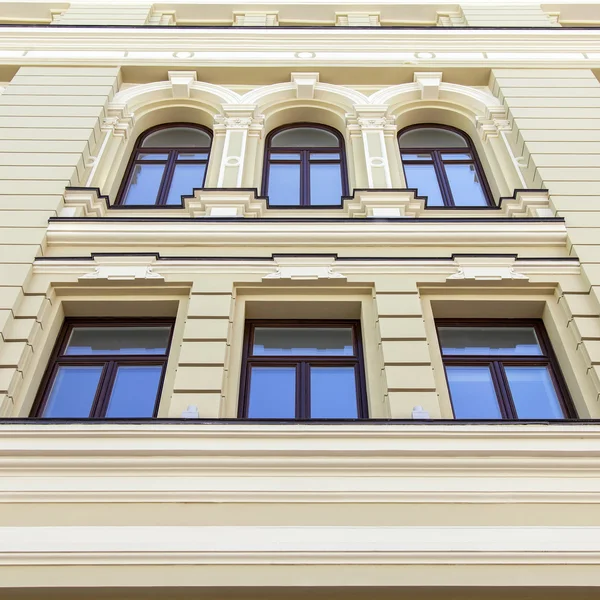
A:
(503, 369)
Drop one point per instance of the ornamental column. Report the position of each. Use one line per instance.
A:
(236, 134)
(369, 132)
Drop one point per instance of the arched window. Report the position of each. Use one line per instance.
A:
(441, 163)
(168, 162)
(305, 165)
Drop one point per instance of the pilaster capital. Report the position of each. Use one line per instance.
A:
(119, 121)
(370, 118)
(239, 118)
(495, 120)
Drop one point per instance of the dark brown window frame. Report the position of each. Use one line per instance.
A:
(170, 163)
(110, 363)
(438, 164)
(496, 363)
(302, 364)
(304, 162)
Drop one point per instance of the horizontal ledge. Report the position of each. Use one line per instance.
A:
(274, 495)
(280, 426)
(299, 545)
(316, 220)
(282, 233)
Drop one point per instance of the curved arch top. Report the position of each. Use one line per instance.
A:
(278, 92)
(149, 93)
(469, 97)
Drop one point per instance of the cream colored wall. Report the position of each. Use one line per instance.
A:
(554, 129)
(342, 508)
(49, 124)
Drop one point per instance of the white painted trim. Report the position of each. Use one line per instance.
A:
(353, 233)
(299, 545)
(286, 463)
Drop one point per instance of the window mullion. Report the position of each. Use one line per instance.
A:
(167, 178)
(504, 387)
(305, 178)
(302, 392)
(99, 405)
(440, 171)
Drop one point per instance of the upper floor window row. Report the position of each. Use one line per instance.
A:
(305, 166)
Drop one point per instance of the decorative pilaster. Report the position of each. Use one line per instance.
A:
(493, 129)
(237, 125)
(369, 126)
(115, 127)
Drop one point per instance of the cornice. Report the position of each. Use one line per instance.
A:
(298, 232)
(300, 545)
(186, 46)
(149, 268)
(342, 463)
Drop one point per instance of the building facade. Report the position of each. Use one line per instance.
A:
(299, 299)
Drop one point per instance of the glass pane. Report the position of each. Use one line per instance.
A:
(118, 340)
(489, 341)
(144, 183)
(431, 137)
(465, 185)
(425, 156)
(192, 156)
(272, 393)
(152, 156)
(305, 137)
(73, 392)
(177, 137)
(325, 184)
(423, 178)
(333, 393)
(533, 393)
(324, 156)
(472, 392)
(134, 392)
(303, 341)
(456, 156)
(284, 185)
(284, 156)
(185, 179)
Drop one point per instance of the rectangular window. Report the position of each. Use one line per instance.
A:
(303, 370)
(502, 370)
(105, 369)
